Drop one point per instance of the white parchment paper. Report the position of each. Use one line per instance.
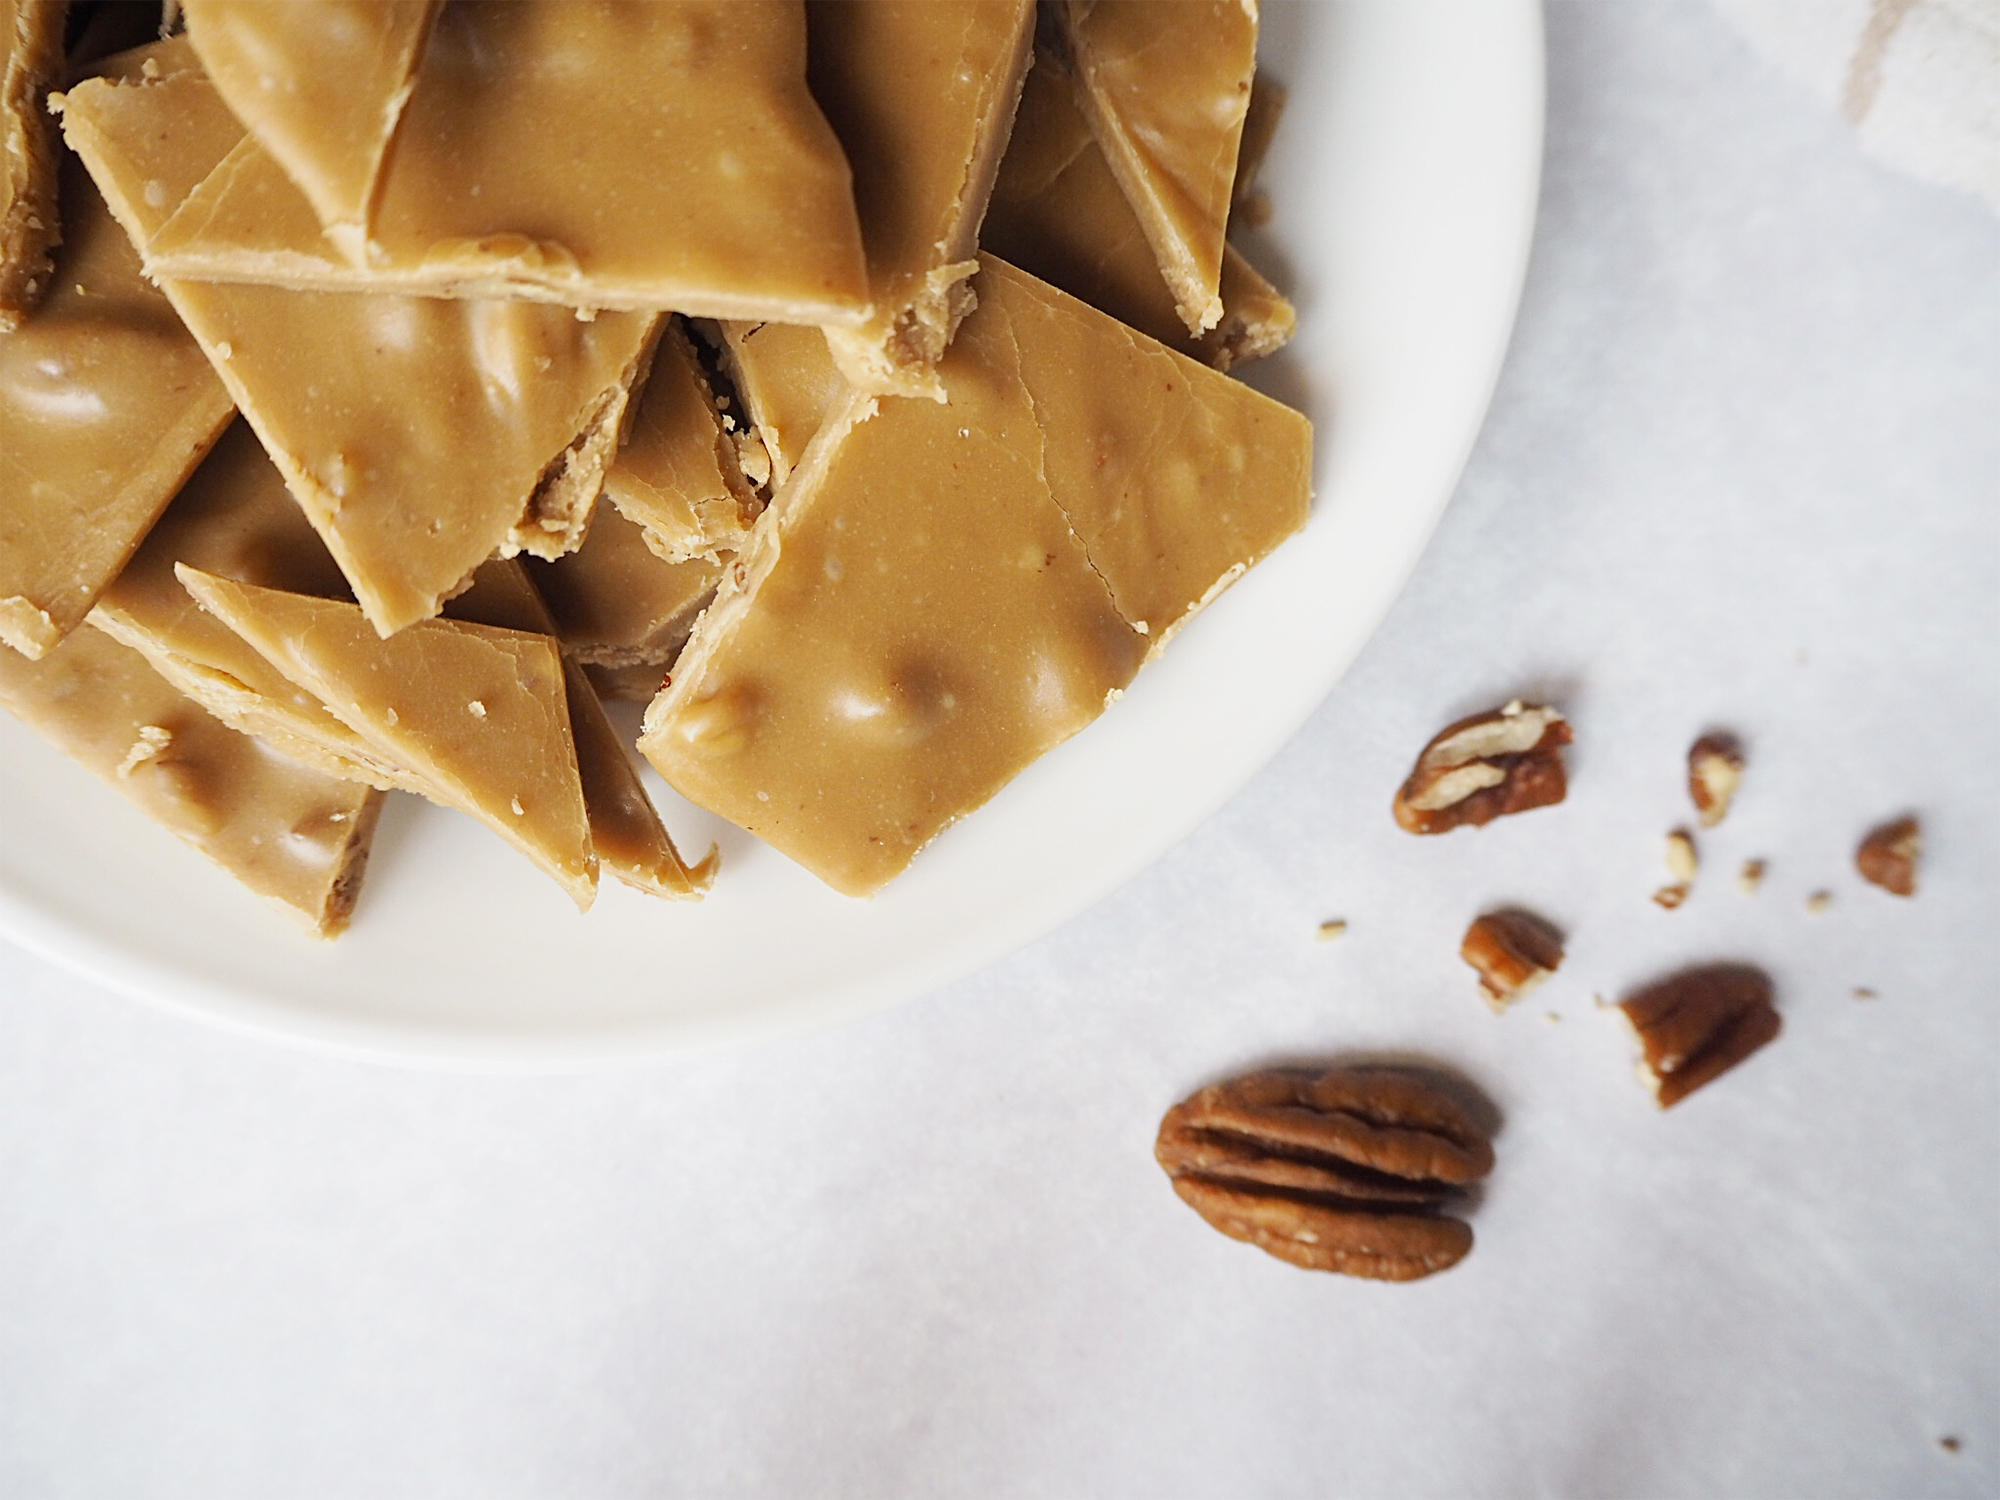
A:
(1743, 470)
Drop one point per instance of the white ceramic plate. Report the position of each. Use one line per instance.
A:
(1404, 176)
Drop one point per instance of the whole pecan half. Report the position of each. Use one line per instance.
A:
(1696, 1025)
(1503, 761)
(1344, 1170)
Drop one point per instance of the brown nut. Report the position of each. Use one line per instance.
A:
(1715, 770)
(1505, 761)
(1888, 856)
(1683, 863)
(1513, 951)
(1344, 1170)
(1696, 1025)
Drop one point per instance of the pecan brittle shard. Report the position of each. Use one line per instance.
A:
(320, 85)
(31, 59)
(1165, 89)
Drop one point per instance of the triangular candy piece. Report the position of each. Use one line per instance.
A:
(234, 518)
(788, 382)
(31, 60)
(943, 592)
(1165, 88)
(293, 835)
(320, 85)
(679, 474)
(618, 606)
(1176, 478)
(1059, 214)
(106, 405)
(625, 827)
(420, 436)
(625, 154)
(921, 93)
(478, 713)
(1249, 204)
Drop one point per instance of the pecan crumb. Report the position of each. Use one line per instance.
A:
(1888, 856)
(1347, 1170)
(1819, 901)
(1862, 992)
(1949, 1443)
(1505, 761)
(1332, 928)
(1751, 876)
(1715, 770)
(1696, 1025)
(1512, 952)
(1671, 896)
(1682, 861)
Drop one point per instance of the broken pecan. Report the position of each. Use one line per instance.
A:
(1696, 1025)
(1513, 951)
(1344, 1170)
(1888, 856)
(1683, 864)
(1715, 769)
(1481, 768)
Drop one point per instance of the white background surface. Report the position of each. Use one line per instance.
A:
(1741, 471)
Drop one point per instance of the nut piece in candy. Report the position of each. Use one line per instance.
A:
(1715, 769)
(1696, 1025)
(1346, 1170)
(1513, 951)
(1506, 761)
(1888, 856)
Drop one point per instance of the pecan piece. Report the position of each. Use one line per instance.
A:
(1344, 1170)
(1512, 951)
(1683, 864)
(1715, 770)
(1505, 761)
(1696, 1025)
(1888, 856)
